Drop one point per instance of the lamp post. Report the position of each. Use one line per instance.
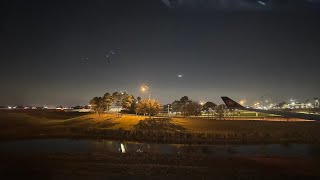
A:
(119, 104)
(145, 88)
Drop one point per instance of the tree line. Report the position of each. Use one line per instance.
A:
(122, 100)
(188, 107)
(126, 103)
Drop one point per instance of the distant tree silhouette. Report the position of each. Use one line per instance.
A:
(209, 105)
(192, 108)
(97, 105)
(107, 101)
(176, 107)
(220, 110)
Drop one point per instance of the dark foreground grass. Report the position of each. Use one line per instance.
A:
(154, 166)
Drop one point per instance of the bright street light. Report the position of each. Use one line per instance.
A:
(242, 101)
(145, 88)
(202, 103)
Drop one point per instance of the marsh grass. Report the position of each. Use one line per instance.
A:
(159, 124)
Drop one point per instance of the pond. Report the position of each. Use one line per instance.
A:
(105, 146)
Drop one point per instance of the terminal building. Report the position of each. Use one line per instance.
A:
(297, 105)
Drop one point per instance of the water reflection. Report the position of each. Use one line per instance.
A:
(105, 146)
(122, 149)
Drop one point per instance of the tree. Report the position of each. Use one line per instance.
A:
(209, 105)
(176, 106)
(184, 101)
(127, 101)
(150, 107)
(107, 101)
(120, 100)
(186, 106)
(133, 107)
(117, 98)
(97, 104)
(193, 109)
(220, 110)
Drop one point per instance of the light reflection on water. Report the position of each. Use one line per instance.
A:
(90, 146)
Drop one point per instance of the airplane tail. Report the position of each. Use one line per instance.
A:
(231, 104)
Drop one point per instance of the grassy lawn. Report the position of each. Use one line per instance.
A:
(208, 125)
(50, 124)
(103, 121)
(270, 129)
(26, 123)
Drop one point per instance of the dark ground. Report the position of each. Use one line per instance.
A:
(154, 166)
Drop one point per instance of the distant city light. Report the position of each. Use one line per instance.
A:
(242, 101)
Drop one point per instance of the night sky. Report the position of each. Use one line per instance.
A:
(55, 52)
